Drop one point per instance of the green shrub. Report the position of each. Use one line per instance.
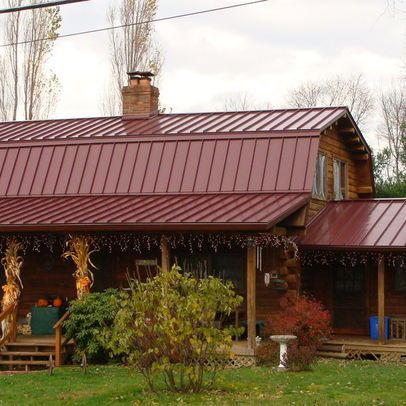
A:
(90, 322)
(167, 326)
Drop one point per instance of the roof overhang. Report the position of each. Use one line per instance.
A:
(179, 212)
(358, 225)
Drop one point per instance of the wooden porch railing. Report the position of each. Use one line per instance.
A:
(397, 329)
(10, 312)
(60, 342)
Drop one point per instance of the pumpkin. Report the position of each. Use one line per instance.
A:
(42, 302)
(57, 302)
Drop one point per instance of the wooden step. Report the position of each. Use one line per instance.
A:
(29, 347)
(26, 362)
(27, 353)
(328, 354)
(331, 347)
(30, 344)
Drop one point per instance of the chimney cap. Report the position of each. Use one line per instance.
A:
(140, 74)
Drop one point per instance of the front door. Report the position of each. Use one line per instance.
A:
(349, 307)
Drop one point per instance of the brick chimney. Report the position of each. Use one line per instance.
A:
(140, 98)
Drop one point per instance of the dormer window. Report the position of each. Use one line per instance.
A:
(320, 179)
(340, 179)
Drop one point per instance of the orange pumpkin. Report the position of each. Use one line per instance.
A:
(57, 302)
(42, 302)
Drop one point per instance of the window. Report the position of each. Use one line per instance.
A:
(320, 184)
(340, 179)
(349, 280)
(400, 277)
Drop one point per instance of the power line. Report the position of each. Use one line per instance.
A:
(156, 20)
(38, 5)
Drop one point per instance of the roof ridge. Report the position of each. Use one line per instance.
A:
(98, 117)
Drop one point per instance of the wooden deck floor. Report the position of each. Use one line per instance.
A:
(365, 340)
(33, 339)
(362, 347)
(241, 348)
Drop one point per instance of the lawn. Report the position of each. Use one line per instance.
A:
(330, 383)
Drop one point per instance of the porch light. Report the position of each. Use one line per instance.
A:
(250, 242)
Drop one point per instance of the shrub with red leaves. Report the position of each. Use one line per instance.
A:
(305, 318)
(309, 322)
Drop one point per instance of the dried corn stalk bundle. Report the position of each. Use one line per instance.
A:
(79, 249)
(12, 263)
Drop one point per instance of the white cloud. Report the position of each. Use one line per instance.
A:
(262, 50)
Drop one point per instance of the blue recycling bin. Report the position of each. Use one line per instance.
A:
(374, 329)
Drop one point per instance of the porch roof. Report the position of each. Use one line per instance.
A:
(213, 211)
(373, 224)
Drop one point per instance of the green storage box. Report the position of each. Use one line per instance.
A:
(43, 319)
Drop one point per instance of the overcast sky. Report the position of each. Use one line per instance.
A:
(262, 50)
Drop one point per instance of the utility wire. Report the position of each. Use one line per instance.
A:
(194, 13)
(38, 5)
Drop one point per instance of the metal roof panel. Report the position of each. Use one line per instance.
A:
(358, 224)
(237, 210)
(191, 123)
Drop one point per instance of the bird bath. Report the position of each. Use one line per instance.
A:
(283, 341)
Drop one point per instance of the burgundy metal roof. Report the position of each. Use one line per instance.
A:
(312, 119)
(241, 170)
(256, 163)
(244, 211)
(358, 224)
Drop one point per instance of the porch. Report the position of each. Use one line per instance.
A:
(362, 347)
(353, 258)
(46, 274)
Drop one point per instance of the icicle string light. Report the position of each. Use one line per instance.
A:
(137, 242)
(349, 258)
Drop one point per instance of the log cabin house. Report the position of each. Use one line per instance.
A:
(230, 193)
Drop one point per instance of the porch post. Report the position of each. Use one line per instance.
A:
(381, 300)
(251, 297)
(165, 255)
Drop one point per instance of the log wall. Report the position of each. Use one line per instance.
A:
(47, 275)
(318, 282)
(269, 299)
(333, 146)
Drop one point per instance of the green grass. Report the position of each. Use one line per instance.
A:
(330, 383)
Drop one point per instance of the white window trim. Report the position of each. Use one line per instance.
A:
(315, 194)
(335, 177)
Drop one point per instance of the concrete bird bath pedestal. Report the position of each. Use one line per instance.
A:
(283, 341)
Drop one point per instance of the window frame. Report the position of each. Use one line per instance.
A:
(315, 195)
(343, 188)
(399, 279)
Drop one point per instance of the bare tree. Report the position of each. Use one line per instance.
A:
(30, 91)
(5, 106)
(393, 130)
(132, 47)
(396, 6)
(352, 92)
(243, 101)
(12, 33)
(39, 88)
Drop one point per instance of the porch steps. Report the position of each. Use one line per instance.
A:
(29, 354)
(332, 350)
(331, 354)
(26, 353)
(25, 362)
(364, 348)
